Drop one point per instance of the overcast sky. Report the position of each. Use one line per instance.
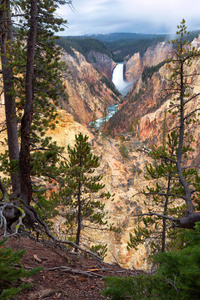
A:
(141, 16)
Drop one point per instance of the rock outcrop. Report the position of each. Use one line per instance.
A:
(87, 89)
(152, 57)
(133, 67)
(102, 62)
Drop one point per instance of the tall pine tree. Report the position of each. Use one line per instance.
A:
(80, 186)
(173, 202)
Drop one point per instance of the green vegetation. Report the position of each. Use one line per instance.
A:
(120, 36)
(79, 188)
(118, 49)
(177, 275)
(119, 46)
(82, 44)
(33, 87)
(137, 95)
(100, 250)
(123, 149)
(149, 71)
(126, 48)
(172, 178)
(11, 272)
(172, 203)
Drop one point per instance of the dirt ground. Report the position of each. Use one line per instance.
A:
(65, 275)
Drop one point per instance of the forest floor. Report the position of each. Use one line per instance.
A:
(65, 275)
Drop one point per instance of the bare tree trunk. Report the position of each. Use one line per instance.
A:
(165, 212)
(188, 192)
(79, 218)
(10, 109)
(24, 158)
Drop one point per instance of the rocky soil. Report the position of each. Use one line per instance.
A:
(65, 275)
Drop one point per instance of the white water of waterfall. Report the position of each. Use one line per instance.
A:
(121, 85)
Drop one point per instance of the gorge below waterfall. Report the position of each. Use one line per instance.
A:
(122, 86)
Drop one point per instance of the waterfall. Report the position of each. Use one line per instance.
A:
(121, 85)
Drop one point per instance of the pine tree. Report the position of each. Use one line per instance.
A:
(32, 82)
(176, 277)
(175, 197)
(80, 187)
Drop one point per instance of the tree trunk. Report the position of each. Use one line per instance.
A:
(182, 180)
(79, 217)
(24, 158)
(165, 212)
(188, 222)
(10, 109)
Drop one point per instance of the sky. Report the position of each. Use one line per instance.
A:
(141, 16)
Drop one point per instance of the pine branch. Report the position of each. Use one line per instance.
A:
(190, 114)
(158, 215)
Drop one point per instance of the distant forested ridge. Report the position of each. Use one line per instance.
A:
(118, 46)
(83, 45)
(119, 36)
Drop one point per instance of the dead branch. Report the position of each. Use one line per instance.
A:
(190, 114)
(73, 245)
(187, 222)
(70, 270)
(52, 292)
(163, 194)
(74, 271)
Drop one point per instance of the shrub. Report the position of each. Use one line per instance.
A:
(177, 276)
(11, 272)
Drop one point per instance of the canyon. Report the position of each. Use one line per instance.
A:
(87, 88)
(137, 125)
(143, 108)
(122, 177)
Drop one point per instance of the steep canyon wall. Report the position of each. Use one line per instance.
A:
(142, 111)
(152, 57)
(141, 115)
(87, 89)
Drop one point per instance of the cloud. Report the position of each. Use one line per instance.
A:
(143, 16)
